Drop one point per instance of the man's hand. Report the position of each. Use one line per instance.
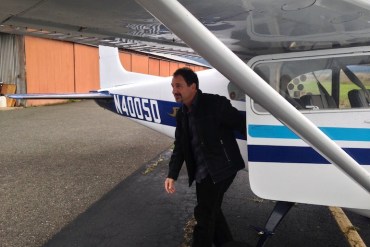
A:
(169, 185)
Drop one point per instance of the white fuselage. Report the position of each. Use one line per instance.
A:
(281, 165)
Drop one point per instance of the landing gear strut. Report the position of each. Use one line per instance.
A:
(277, 214)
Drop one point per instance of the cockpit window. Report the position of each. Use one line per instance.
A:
(355, 89)
(309, 83)
(320, 83)
(312, 90)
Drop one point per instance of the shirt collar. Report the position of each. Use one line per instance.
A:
(193, 104)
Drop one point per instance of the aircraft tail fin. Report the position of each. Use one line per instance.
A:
(112, 72)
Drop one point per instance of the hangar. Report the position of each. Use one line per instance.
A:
(30, 64)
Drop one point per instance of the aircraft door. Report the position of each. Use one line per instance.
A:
(331, 88)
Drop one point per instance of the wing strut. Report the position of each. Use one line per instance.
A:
(181, 22)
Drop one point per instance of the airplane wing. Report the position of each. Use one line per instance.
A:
(248, 28)
(92, 95)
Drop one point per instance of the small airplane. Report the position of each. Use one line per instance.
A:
(303, 83)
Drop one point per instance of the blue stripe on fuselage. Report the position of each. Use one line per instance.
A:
(293, 154)
(283, 132)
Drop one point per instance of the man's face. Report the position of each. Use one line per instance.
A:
(182, 92)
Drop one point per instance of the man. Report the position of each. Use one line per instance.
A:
(205, 140)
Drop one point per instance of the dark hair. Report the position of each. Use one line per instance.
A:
(189, 76)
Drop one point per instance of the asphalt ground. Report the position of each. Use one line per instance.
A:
(77, 175)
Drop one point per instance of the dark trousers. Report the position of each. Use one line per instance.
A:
(211, 225)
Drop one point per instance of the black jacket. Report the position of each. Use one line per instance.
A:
(215, 121)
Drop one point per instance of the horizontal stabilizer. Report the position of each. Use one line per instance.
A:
(94, 95)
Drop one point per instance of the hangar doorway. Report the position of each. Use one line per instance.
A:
(12, 65)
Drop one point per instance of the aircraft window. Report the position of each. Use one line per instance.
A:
(235, 93)
(354, 82)
(308, 83)
(312, 90)
(319, 83)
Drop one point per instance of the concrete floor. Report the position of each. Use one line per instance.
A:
(56, 161)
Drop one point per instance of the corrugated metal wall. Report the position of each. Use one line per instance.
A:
(147, 64)
(12, 61)
(86, 68)
(50, 68)
(61, 67)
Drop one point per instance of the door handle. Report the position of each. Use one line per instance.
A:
(367, 121)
